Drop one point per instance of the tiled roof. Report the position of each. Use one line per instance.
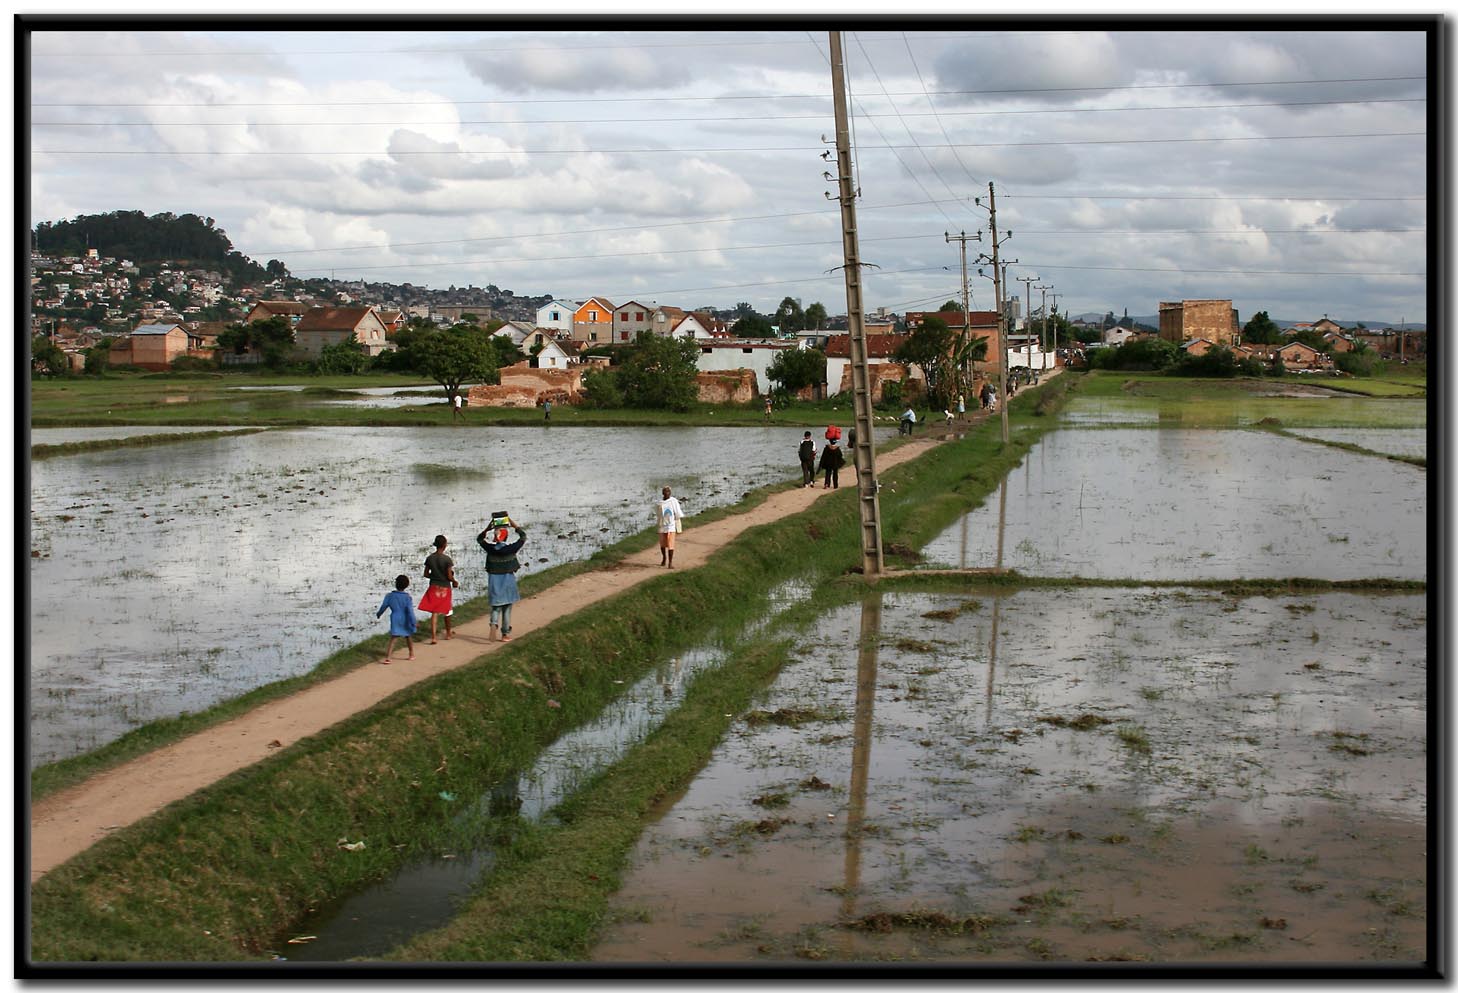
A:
(333, 319)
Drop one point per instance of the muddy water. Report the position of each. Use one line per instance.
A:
(1190, 504)
(427, 892)
(167, 579)
(1388, 441)
(1241, 408)
(1257, 793)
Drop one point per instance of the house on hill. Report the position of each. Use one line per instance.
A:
(323, 326)
(593, 321)
(265, 309)
(1298, 356)
(556, 314)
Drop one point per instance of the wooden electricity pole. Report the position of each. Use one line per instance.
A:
(1001, 310)
(864, 452)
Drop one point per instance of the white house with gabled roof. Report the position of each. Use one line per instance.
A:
(557, 314)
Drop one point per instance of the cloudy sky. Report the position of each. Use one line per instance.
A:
(1287, 170)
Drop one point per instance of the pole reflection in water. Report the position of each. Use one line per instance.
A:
(861, 747)
(996, 599)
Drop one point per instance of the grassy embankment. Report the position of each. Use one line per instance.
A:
(214, 400)
(140, 441)
(217, 876)
(1224, 403)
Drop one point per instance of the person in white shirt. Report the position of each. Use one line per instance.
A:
(670, 522)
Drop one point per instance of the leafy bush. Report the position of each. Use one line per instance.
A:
(600, 389)
(344, 358)
(1219, 361)
(796, 368)
(1363, 362)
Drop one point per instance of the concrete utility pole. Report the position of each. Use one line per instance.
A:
(1053, 335)
(961, 239)
(1028, 282)
(1043, 331)
(997, 284)
(864, 453)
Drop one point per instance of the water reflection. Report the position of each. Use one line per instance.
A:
(869, 645)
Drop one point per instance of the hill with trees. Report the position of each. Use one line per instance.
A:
(166, 237)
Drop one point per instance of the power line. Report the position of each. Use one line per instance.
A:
(712, 120)
(1196, 196)
(744, 96)
(739, 148)
(1229, 272)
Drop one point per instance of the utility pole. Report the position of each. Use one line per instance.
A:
(961, 239)
(1028, 282)
(864, 452)
(1053, 335)
(1043, 330)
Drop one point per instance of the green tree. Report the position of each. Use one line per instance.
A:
(789, 317)
(1218, 362)
(273, 339)
(1143, 353)
(343, 358)
(951, 305)
(796, 368)
(98, 358)
(600, 389)
(815, 316)
(1312, 337)
(1261, 330)
(930, 347)
(1360, 361)
(753, 326)
(455, 356)
(743, 309)
(46, 359)
(660, 374)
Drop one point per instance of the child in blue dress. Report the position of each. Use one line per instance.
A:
(402, 617)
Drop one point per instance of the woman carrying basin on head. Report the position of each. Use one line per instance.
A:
(501, 569)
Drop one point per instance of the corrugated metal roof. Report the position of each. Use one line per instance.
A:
(155, 328)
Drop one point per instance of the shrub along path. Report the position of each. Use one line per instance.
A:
(71, 820)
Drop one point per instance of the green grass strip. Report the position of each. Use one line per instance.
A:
(139, 441)
(1346, 446)
(1012, 581)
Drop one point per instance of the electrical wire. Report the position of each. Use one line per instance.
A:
(740, 148)
(745, 96)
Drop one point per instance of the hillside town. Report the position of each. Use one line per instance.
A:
(159, 318)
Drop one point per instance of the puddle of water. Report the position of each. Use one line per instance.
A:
(1390, 441)
(174, 577)
(425, 894)
(1227, 789)
(1170, 504)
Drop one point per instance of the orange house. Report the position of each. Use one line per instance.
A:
(593, 321)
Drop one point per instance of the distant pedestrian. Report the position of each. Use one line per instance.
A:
(830, 462)
(961, 407)
(850, 444)
(456, 413)
(807, 460)
(402, 617)
(440, 569)
(908, 421)
(768, 408)
(501, 569)
(986, 395)
(546, 410)
(670, 523)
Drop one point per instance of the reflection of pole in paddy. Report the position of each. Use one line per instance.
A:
(996, 600)
(861, 747)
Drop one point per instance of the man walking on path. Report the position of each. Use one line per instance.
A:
(670, 523)
(456, 413)
(546, 410)
(807, 460)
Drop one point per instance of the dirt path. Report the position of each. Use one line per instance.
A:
(71, 820)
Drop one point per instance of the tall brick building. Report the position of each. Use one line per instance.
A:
(1215, 320)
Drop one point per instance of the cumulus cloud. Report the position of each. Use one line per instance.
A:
(1083, 61)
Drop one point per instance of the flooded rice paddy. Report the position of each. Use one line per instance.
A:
(1388, 441)
(1194, 504)
(1059, 775)
(62, 436)
(1245, 408)
(164, 580)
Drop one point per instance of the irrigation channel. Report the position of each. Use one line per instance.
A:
(1128, 752)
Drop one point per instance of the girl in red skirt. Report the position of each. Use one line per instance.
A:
(441, 572)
